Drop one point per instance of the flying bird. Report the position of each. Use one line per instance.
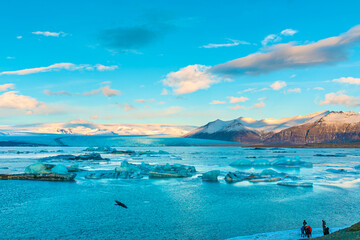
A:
(118, 203)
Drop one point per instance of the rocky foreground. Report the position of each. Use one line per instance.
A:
(350, 233)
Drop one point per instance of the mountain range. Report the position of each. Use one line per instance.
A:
(84, 127)
(319, 127)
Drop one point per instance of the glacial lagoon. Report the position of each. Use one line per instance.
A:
(181, 208)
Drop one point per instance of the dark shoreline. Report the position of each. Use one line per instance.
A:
(310, 145)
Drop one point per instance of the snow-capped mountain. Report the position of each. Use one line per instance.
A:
(83, 127)
(324, 126)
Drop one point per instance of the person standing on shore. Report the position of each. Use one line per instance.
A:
(325, 228)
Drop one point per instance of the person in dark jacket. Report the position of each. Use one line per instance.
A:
(325, 228)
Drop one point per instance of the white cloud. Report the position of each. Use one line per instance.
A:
(292, 76)
(249, 90)
(349, 80)
(49, 34)
(283, 56)
(57, 67)
(272, 38)
(128, 107)
(261, 104)
(144, 101)
(15, 101)
(294, 90)
(237, 99)
(140, 100)
(231, 44)
(57, 93)
(95, 117)
(217, 102)
(190, 79)
(237, 107)
(19, 37)
(6, 86)
(89, 93)
(278, 85)
(288, 32)
(319, 88)
(101, 67)
(164, 92)
(253, 90)
(340, 98)
(108, 92)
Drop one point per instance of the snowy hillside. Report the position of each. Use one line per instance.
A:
(324, 126)
(83, 127)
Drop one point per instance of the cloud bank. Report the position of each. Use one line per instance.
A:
(49, 34)
(349, 80)
(106, 91)
(232, 43)
(284, 56)
(277, 57)
(190, 79)
(60, 66)
(340, 98)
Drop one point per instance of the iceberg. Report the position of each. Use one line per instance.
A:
(333, 170)
(60, 169)
(211, 176)
(135, 171)
(42, 172)
(172, 171)
(279, 162)
(269, 172)
(233, 177)
(267, 175)
(69, 157)
(295, 184)
(37, 168)
(291, 162)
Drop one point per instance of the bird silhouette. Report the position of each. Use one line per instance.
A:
(118, 203)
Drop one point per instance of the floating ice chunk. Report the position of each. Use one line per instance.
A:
(291, 162)
(247, 162)
(261, 162)
(60, 169)
(37, 168)
(295, 184)
(270, 172)
(92, 156)
(333, 170)
(73, 168)
(279, 162)
(172, 171)
(241, 162)
(211, 176)
(266, 180)
(106, 149)
(233, 177)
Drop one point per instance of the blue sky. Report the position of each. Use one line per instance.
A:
(170, 61)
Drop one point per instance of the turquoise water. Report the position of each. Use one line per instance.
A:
(116, 141)
(176, 208)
